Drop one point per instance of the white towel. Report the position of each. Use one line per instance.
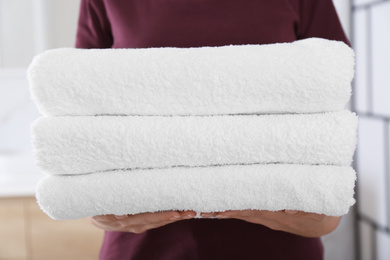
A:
(311, 75)
(77, 145)
(319, 189)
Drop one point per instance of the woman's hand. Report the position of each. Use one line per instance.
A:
(295, 222)
(139, 223)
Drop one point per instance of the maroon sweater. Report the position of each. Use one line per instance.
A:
(193, 23)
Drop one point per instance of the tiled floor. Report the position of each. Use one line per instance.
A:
(26, 233)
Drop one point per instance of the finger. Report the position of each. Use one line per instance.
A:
(90, 220)
(209, 214)
(268, 222)
(142, 228)
(228, 214)
(102, 225)
(291, 212)
(127, 224)
(149, 218)
(244, 213)
(105, 218)
(140, 219)
(184, 215)
(187, 214)
(121, 216)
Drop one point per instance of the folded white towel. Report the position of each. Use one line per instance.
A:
(311, 75)
(318, 189)
(77, 145)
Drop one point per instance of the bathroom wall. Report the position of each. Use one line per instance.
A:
(27, 27)
(371, 40)
(340, 244)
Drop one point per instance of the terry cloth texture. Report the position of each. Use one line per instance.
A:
(208, 129)
(310, 188)
(78, 145)
(306, 76)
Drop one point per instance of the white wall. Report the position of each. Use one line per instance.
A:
(371, 40)
(343, 8)
(340, 243)
(28, 27)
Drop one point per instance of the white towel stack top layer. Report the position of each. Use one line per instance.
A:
(262, 127)
(93, 144)
(306, 76)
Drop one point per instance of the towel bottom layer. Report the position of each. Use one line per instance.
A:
(311, 188)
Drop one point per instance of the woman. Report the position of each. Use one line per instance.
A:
(249, 234)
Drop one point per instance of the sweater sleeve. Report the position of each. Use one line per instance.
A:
(318, 18)
(93, 30)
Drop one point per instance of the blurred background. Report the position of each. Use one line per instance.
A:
(28, 27)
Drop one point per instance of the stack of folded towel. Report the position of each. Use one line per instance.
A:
(208, 129)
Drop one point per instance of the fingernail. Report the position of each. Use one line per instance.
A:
(174, 218)
(188, 216)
